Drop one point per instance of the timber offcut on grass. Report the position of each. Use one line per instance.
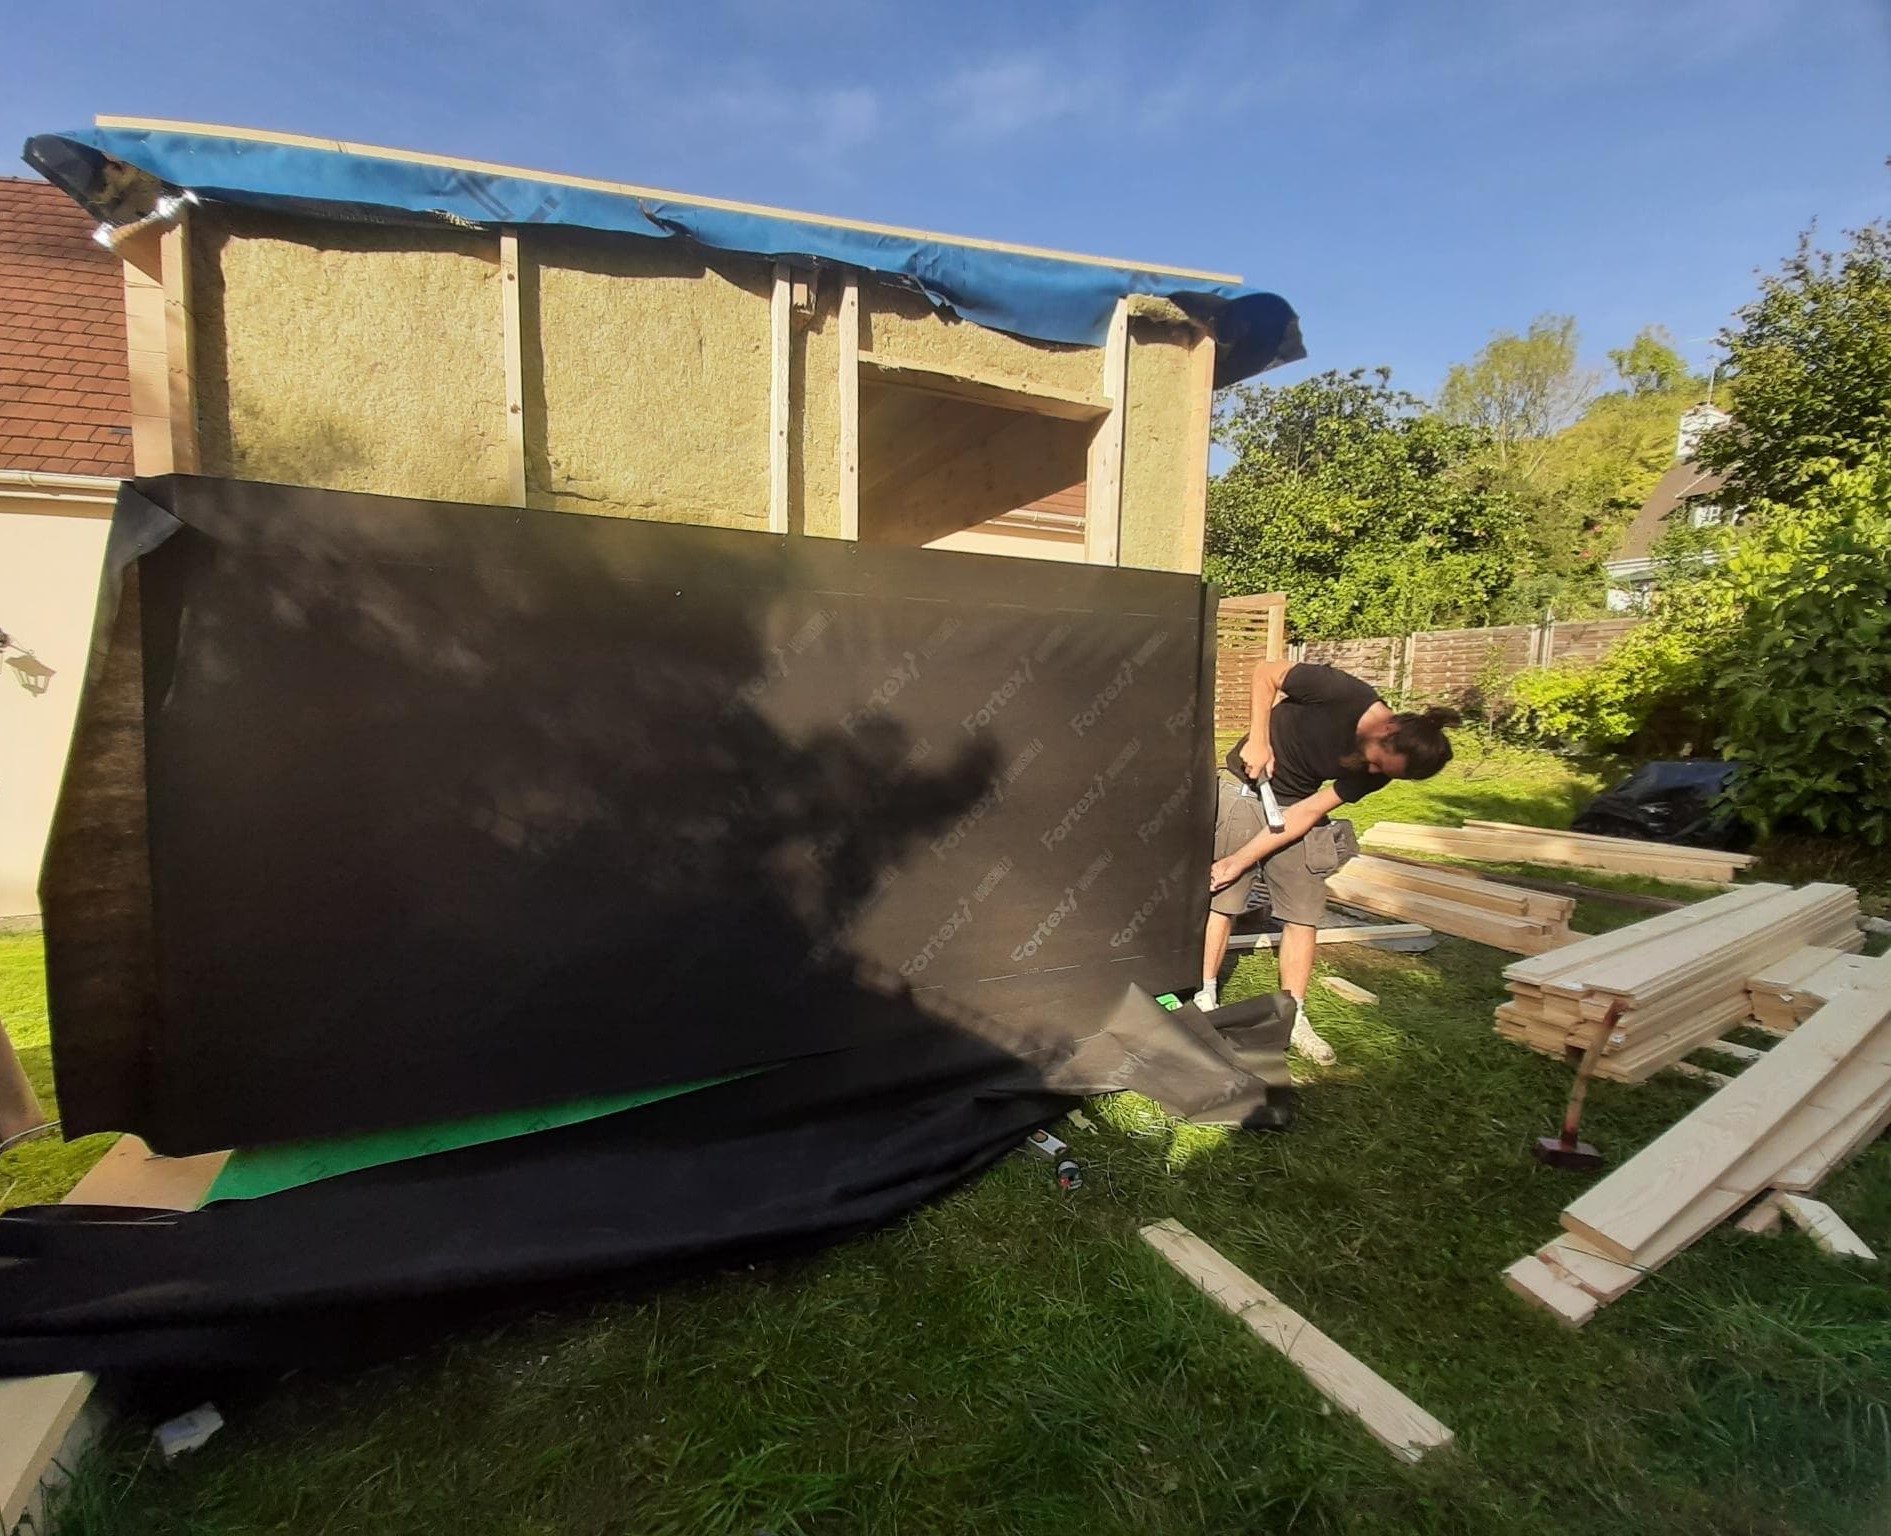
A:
(1394, 1419)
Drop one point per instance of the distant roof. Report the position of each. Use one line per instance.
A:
(65, 399)
(1685, 481)
(1046, 295)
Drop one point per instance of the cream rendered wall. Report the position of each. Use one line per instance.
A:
(50, 553)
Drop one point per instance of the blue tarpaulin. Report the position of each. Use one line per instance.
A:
(1044, 297)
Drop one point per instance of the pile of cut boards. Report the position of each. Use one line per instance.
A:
(1673, 983)
(1456, 902)
(1785, 993)
(1503, 842)
(1759, 1144)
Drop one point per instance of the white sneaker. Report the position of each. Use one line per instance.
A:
(1207, 1000)
(1307, 1041)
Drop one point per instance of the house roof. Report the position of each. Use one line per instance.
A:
(65, 398)
(115, 167)
(1685, 481)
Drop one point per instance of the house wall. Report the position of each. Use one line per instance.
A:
(50, 553)
(371, 357)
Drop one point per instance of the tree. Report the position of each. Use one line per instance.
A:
(1520, 390)
(1811, 364)
(1373, 516)
(1649, 364)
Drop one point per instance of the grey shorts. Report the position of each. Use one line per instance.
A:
(1296, 876)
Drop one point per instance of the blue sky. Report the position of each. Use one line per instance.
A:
(1412, 176)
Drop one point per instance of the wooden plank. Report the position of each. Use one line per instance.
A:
(1629, 1208)
(512, 322)
(1389, 1415)
(180, 347)
(629, 189)
(1103, 486)
(999, 391)
(147, 358)
(1518, 935)
(1360, 933)
(1544, 846)
(1727, 943)
(1602, 1277)
(1825, 1227)
(1761, 1219)
(1733, 1049)
(1201, 421)
(1579, 957)
(1504, 847)
(1785, 973)
(1537, 1283)
(781, 340)
(1699, 1074)
(1339, 986)
(1454, 885)
(38, 1416)
(1853, 1132)
(850, 407)
(1679, 850)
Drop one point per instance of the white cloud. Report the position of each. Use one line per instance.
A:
(1005, 96)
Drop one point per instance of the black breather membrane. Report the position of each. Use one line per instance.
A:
(383, 812)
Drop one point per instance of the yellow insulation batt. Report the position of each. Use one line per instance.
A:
(646, 392)
(901, 326)
(350, 357)
(372, 357)
(1158, 454)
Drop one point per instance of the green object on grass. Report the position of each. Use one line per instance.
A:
(252, 1172)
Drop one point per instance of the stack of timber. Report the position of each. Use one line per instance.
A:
(1502, 842)
(1771, 1135)
(1675, 982)
(1785, 994)
(1456, 902)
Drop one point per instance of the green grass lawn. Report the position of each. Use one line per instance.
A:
(1015, 1359)
(36, 1172)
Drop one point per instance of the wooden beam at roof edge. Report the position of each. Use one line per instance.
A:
(511, 314)
(1103, 492)
(849, 447)
(780, 318)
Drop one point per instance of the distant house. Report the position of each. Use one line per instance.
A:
(1687, 495)
(65, 442)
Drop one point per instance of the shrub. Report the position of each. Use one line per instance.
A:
(1645, 691)
(1805, 690)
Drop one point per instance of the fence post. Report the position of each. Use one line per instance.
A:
(1547, 644)
(1405, 666)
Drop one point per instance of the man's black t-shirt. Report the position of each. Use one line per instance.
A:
(1315, 724)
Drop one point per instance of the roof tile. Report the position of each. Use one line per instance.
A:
(65, 401)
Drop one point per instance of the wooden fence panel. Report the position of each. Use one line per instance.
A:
(1247, 630)
(1374, 661)
(1457, 664)
(1586, 639)
(1452, 665)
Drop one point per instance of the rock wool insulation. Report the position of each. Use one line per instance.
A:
(900, 326)
(646, 381)
(1159, 467)
(349, 357)
(371, 357)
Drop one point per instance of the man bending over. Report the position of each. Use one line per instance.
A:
(1323, 739)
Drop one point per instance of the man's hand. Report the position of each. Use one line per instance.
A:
(1224, 872)
(1258, 758)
